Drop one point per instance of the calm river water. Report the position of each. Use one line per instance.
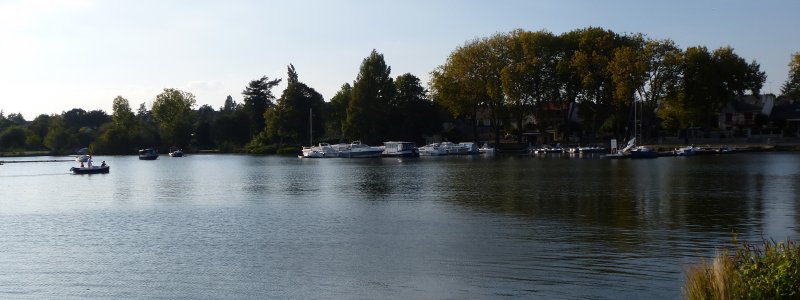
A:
(267, 227)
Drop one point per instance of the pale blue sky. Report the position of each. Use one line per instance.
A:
(63, 54)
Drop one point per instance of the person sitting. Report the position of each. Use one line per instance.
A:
(102, 165)
(81, 164)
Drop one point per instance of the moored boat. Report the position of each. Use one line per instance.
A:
(685, 151)
(176, 153)
(148, 154)
(400, 149)
(434, 149)
(358, 150)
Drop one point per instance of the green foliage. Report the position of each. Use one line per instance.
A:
(336, 113)
(257, 99)
(791, 87)
(412, 114)
(370, 103)
(770, 270)
(172, 111)
(288, 121)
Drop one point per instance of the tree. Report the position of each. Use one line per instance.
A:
(791, 88)
(288, 120)
(472, 79)
(530, 80)
(123, 134)
(336, 113)
(257, 98)
(230, 131)
(413, 115)
(122, 116)
(58, 140)
(172, 111)
(203, 127)
(372, 92)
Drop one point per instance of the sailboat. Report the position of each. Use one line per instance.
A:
(632, 148)
(323, 150)
(639, 151)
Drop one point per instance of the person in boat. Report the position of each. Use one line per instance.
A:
(89, 162)
(81, 164)
(103, 165)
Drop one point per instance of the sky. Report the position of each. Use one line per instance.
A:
(58, 55)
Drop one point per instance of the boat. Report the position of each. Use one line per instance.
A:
(462, 148)
(685, 151)
(642, 152)
(148, 154)
(82, 158)
(485, 148)
(547, 149)
(469, 148)
(357, 150)
(400, 149)
(323, 150)
(434, 149)
(176, 153)
(90, 170)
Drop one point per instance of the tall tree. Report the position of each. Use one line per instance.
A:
(372, 92)
(413, 115)
(123, 134)
(231, 128)
(173, 112)
(257, 98)
(288, 121)
(122, 115)
(336, 114)
(791, 87)
(472, 79)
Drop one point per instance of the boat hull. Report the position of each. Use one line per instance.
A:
(92, 170)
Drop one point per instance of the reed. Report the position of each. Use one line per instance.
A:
(768, 270)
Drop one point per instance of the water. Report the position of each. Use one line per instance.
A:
(263, 227)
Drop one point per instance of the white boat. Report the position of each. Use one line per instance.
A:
(310, 152)
(357, 150)
(400, 149)
(586, 150)
(82, 158)
(685, 151)
(148, 154)
(434, 149)
(322, 150)
(547, 149)
(485, 148)
(468, 148)
(176, 153)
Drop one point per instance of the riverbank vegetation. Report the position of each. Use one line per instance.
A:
(581, 83)
(770, 270)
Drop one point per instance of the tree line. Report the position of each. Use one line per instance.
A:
(595, 74)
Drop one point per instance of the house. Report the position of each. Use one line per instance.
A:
(746, 113)
(786, 114)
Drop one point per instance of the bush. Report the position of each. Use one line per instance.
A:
(770, 270)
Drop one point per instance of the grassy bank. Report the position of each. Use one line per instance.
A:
(770, 270)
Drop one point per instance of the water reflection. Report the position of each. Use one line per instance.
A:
(433, 227)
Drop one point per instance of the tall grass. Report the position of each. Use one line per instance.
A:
(769, 270)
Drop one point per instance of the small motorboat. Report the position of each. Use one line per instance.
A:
(176, 153)
(148, 154)
(90, 170)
